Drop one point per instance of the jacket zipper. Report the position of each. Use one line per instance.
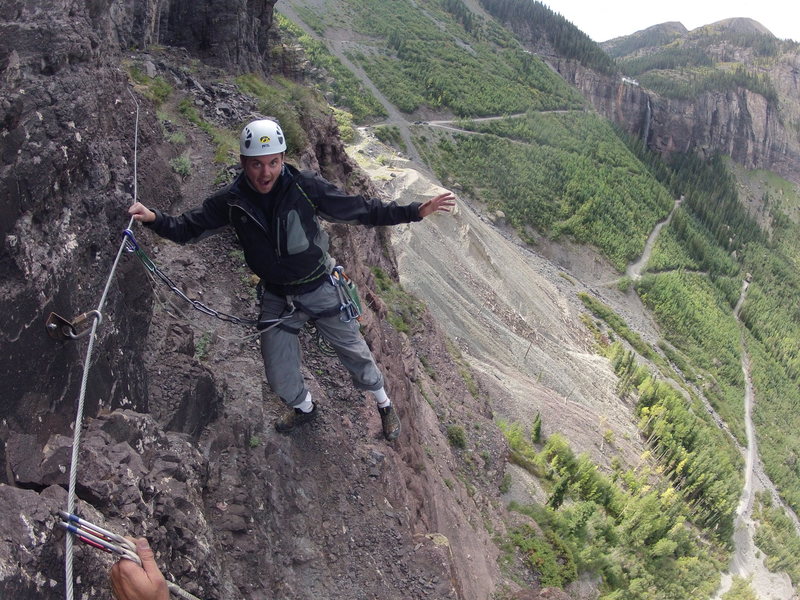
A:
(278, 237)
(277, 234)
(262, 228)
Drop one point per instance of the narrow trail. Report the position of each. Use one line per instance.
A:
(337, 48)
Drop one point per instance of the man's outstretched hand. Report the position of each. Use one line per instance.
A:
(441, 203)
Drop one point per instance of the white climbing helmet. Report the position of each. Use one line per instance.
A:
(262, 137)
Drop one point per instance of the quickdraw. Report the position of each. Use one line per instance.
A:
(348, 295)
(108, 541)
(97, 537)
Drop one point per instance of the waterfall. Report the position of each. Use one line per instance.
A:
(647, 115)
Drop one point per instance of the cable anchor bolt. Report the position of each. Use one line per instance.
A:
(60, 328)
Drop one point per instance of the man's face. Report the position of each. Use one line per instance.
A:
(262, 171)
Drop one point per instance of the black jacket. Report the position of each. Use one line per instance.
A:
(280, 234)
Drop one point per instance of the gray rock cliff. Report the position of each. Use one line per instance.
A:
(740, 123)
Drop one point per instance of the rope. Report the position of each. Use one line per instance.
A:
(78, 424)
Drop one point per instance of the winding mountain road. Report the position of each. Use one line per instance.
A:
(337, 48)
(747, 560)
(634, 270)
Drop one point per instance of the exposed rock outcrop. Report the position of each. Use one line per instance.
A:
(220, 32)
(227, 34)
(742, 124)
(67, 147)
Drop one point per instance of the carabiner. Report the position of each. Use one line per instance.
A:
(131, 245)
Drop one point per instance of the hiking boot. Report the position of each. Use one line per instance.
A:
(295, 417)
(390, 422)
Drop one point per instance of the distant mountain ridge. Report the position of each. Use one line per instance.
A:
(664, 33)
(672, 29)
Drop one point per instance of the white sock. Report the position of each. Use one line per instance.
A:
(381, 398)
(306, 405)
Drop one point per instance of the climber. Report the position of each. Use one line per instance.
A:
(129, 581)
(274, 209)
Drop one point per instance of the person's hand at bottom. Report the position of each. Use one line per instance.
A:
(129, 581)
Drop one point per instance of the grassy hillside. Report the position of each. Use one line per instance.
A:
(725, 243)
(772, 317)
(558, 174)
(342, 88)
(425, 54)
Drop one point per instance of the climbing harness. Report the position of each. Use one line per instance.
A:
(108, 541)
(350, 304)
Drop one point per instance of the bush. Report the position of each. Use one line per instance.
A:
(548, 556)
(154, 88)
(404, 309)
(456, 436)
(182, 165)
(390, 134)
(285, 101)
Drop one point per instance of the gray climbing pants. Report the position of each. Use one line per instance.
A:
(280, 347)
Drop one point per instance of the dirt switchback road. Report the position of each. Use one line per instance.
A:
(747, 560)
(634, 270)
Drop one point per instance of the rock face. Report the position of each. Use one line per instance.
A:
(177, 443)
(622, 102)
(67, 146)
(742, 124)
(68, 132)
(739, 123)
(222, 33)
(227, 34)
